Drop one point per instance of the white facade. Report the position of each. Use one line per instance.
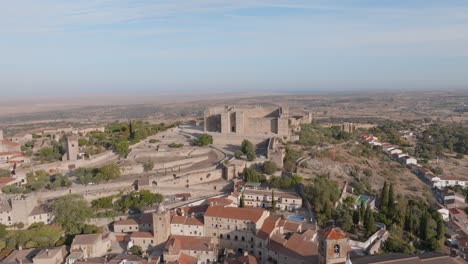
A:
(285, 201)
(445, 182)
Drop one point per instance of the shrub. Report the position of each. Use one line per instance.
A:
(204, 140)
(269, 167)
(238, 154)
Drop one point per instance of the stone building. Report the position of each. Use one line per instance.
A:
(285, 201)
(24, 209)
(333, 246)
(235, 228)
(189, 249)
(348, 127)
(72, 148)
(187, 226)
(91, 245)
(247, 121)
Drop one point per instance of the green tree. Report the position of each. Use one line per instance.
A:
(391, 199)
(440, 231)
(424, 227)
(269, 167)
(71, 212)
(110, 171)
(136, 250)
(82, 142)
(251, 156)
(238, 154)
(384, 198)
(370, 225)
(251, 175)
(242, 202)
(356, 217)
(273, 201)
(247, 147)
(204, 140)
(362, 210)
(459, 156)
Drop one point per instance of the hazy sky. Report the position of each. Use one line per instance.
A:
(56, 47)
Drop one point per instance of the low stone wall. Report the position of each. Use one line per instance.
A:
(63, 166)
(364, 245)
(192, 178)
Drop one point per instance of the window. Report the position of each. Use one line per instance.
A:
(236, 238)
(221, 236)
(336, 249)
(243, 238)
(229, 237)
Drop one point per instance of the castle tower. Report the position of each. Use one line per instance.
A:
(161, 225)
(333, 246)
(72, 148)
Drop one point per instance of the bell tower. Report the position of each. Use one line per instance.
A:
(333, 246)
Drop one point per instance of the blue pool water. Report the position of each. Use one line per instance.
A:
(296, 218)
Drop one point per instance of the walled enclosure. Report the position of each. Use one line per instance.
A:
(245, 120)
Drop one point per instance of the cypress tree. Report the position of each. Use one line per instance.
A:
(362, 210)
(356, 217)
(273, 202)
(384, 198)
(367, 216)
(440, 228)
(391, 199)
(370, 227)
(424, 227)
(242, 202)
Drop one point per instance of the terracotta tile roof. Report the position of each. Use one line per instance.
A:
(249, 259)
(333, 233)
(219, 201)
(141, 235)
(186, 220)
(126, 222)
(86, 239)
(291, 226)
(177, 243)
(297, 246)
(268, 226)
(186, 259)
(250, 214)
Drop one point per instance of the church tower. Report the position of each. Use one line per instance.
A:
(333, 246)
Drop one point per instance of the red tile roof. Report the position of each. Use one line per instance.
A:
(126, 222)
(250, 214)
(186, 220)
(141, 235)
(333, 233)
(219, 201)
(177, 243)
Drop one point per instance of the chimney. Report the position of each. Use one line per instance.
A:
(47, 252)
(246, 253)
(20, 247)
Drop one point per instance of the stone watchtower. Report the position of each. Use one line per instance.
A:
(333, 246)
(161, 225)
(72, 148)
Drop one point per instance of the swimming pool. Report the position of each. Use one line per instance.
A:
(296, 218)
